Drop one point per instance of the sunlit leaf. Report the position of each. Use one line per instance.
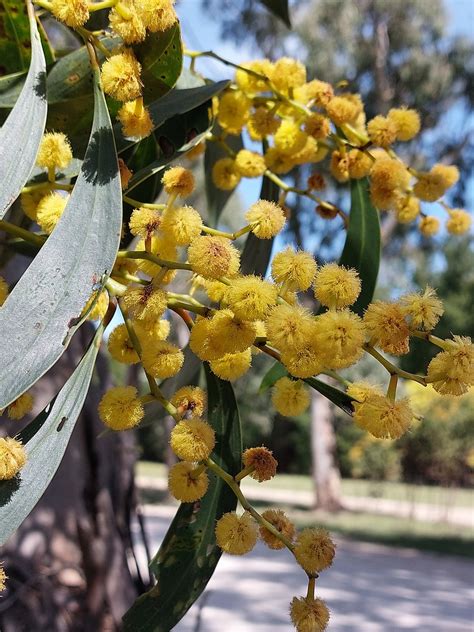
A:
(44, 308)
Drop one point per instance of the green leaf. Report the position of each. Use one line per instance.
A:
(337, 397)
(257, 252)
(275, 372)
(45, 439)
(14, 36)
(217, 198)
(21, 133)
(189, 554)
(161, 57)
(280, 9)
(362, 248)
(44, 308)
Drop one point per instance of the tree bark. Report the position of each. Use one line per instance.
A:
(69, 563)
(326, 475)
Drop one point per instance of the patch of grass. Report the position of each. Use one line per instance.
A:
(441, 496)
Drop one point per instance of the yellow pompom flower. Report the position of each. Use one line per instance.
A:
(21, 406)
(225, 174)
(120, 346)
(340, 336)
(147, 332)
(162, 359)
(280, 521)
(181, 225)
(295, 269)
(263, 462)
(429, 225)
(178, 181)
(157, 15)
(387, 328)
(382, 417)
(120, 408)
(185, 485)
(423, 310)
(202, 344)
(289, 138)
(3, 290)
(127, 22)
(287, 73)
(339, 166)
(386, 177)
(190, 399)
(101, 305)
(12, 458)
(49, 211)
(459, 221)
(342, 110)
(146, 302)
(316, 91)
(144, 222)
(407, 209)
(135, 119)
(451, 372)
(447, 175)
(290, 397)
(192, 440)
(232, 365)
(432, 185)
(54, 151)
(3, 578)
(250, 164)
(162, 248)
(277, 161)
(314, 550)
(233, 112)
(336, 286)
(266, 218)
(235, 534)
(74, 13)
(262, 123)
(249, 83)
(230, 333)
(360, 165)
(382, 131)
(317, 126)
(29, 203)
(213, 257)
(289, 326)
(406, 121)
(309, 615)
(360, 391)
(303, 361)
(250, 297)
(121, 76)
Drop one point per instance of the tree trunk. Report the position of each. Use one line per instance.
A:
(69, 562)
(326, 475)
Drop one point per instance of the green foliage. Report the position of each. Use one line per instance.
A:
(189, 553)
(51, 296)
(15, 38)
(45, 439)
(280, 9)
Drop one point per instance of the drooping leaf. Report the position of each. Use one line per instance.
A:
(44, 308)
(336, 396)
(161, 57)
(362, 247)
(21, 133)
(189, 554)
(217, 198)
(45, 439)
(257, 252)
(280, 9)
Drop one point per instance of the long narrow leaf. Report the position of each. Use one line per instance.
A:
(44, 308)
(46, 439)
(362, 248)
(21, 133)
(189, 554)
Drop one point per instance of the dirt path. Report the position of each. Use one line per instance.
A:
(370, 588)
